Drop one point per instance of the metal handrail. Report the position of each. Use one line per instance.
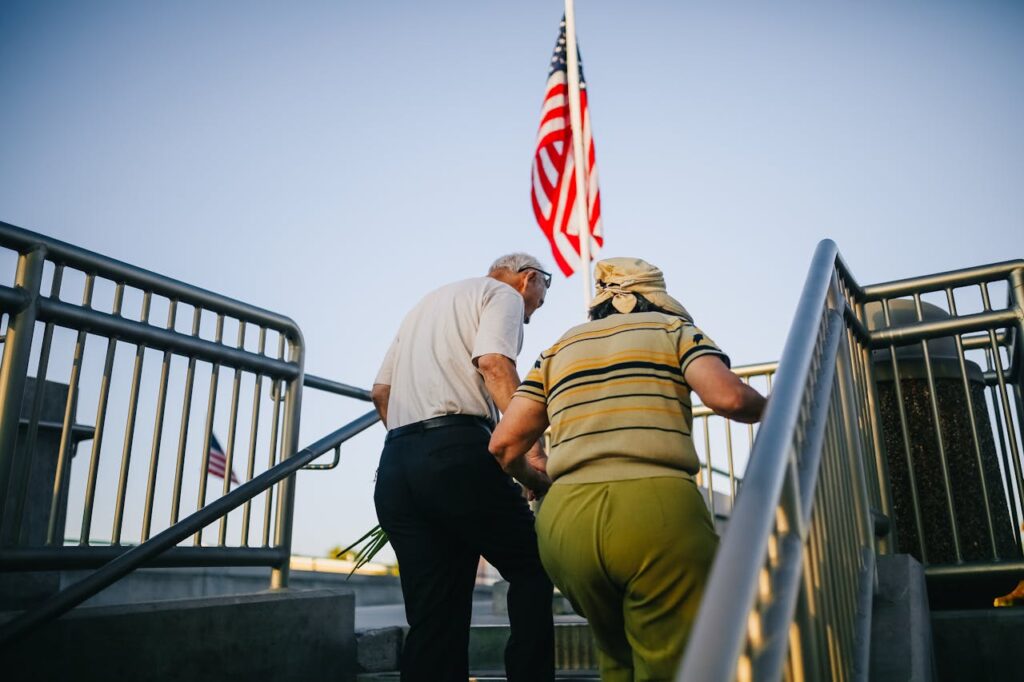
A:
(721, 627)
(67, 599)
(793, 580)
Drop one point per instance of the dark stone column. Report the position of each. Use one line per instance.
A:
(41, 465)
(965, 475)
(34, 472)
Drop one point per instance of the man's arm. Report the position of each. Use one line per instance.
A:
(518, 432)
(500, 378)
(380, 394)
(722, 391)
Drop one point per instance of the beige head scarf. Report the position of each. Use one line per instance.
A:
(619, 279)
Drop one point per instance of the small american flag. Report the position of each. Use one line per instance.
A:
(217, 461)
(553, 190)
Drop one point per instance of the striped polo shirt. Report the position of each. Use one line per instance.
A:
(617, 400)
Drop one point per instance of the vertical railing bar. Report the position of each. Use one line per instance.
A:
(186, 412)
(939, 440)
(833, 528)
(101, 418)
(1004, 399)
(1019, 529)
(17, 355)
(856, 481)
(728, 452)
(129, 429)
(253, 433)
(809, 610)
(861, 391)
(70, 407)
(844, 523)
(750, 430)
(232, 429)
(878, 449)
(975, 438)
(911, 477)
(289, 446)
(711, 470)
(855, 484)
(158, 427)
(1006, 471)
(275, 392)
(825, 581)
(211, 406)
(32, 431)
(840, 548)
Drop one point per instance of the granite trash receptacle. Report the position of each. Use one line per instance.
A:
(970, 467)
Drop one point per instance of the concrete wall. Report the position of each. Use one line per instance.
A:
(280, 635)
(152, 584)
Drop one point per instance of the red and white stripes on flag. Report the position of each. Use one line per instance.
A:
(553, 191)
(217, 462)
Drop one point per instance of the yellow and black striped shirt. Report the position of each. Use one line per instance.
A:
(616, 397)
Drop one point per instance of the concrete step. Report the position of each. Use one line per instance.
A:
(483, 676)
(378, 651)
(273, 635)
(574, 647)
(979, 644)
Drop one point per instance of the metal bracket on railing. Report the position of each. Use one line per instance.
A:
(325, 467)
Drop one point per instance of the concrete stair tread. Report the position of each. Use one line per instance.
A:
(378, 652)
(484, 676)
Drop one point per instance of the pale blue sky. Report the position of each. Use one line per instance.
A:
(334, 160)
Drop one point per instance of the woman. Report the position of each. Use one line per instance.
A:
(624, 532)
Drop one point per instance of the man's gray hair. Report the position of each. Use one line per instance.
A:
(515, 262)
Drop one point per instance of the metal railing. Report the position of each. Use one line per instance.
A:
(148, 552)
(723, 454)
(268, 383)
(791, 589)
(155, 333)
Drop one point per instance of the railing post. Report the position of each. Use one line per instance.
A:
(290, 445)
(1017, 297)
(14, 369)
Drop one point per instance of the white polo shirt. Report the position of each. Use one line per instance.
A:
(429, 365)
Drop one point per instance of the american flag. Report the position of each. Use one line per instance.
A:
(217, 462)
(553, 190)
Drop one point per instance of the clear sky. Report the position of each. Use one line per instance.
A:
(333, 161)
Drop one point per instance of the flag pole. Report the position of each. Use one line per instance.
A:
(576, 121)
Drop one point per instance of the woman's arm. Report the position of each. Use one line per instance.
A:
(519, 429)
(724, 392)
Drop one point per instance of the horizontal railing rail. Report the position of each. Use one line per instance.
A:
(61, 253)
(163, 542)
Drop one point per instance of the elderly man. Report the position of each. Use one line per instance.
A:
(441, 497)
(623, 531)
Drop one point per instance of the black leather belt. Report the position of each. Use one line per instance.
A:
(441, 422)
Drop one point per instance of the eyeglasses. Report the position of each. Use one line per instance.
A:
(545, 275)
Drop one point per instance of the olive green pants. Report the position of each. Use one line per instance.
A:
(632, 557)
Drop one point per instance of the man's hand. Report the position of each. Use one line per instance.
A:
(537, 458)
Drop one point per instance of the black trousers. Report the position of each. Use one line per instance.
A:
(444, 502)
